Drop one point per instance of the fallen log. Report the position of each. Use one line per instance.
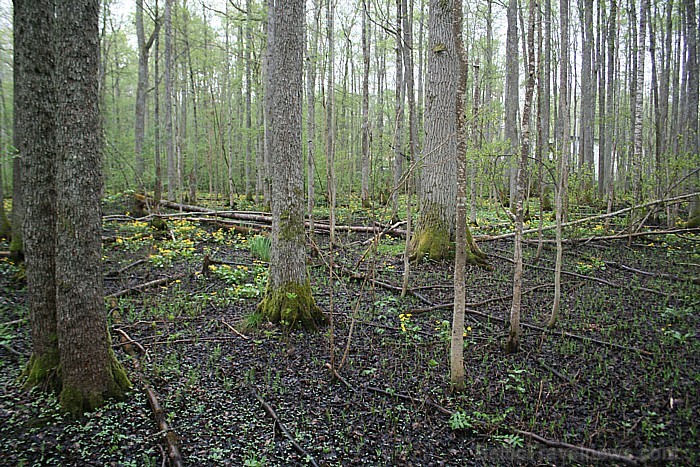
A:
(264, 218)
(489, 238)
(171, 438)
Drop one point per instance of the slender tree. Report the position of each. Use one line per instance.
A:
(288, 298)
(168, 101)
(513, 342)
(512, 93)
(365, 108)
(457, 338)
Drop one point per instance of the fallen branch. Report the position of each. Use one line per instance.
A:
(171, 438)
(17, 321)
(12, 351)
(235, 331)
(297, 447)
(125, 268)
(260, 217)
(627, 460)
(489, 238)
(140, 288)
(694, 280)
(385, 285)
(583, 276)
(443, 306)
(129, 343)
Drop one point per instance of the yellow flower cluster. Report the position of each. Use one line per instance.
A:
(404, 318)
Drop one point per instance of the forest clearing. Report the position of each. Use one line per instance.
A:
(618, 375)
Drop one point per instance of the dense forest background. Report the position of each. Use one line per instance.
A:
(183, 102)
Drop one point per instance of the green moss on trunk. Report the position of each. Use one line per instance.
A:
(433, 242)
(5, 226)
(76, 401)
(43, 372)
(292, 305)
(16, 248)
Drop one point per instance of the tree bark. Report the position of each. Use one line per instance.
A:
(457, 338)
(288, 298)
(365, 110)
(89, 369)
(168, 101)
(512, 93)
(35, 140)
(513, 343)
(436, 223)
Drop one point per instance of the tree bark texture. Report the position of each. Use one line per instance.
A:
(288, 297)
(457, 338)
(89, 369)
(436, 223)
(35, 140)
(512, 93)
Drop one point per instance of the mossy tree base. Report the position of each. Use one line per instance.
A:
(432, 242)
(43, 372)
(435, 243)
(291, 305)
(76, 400)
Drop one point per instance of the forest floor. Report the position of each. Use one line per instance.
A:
(624, 381)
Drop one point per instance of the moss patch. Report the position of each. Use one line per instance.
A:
(433, 242)
(76, 401)
(43, 372)
(291, 305)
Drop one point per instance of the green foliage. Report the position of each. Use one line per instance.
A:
(260, 247)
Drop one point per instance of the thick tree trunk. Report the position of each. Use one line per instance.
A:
(36, 143)
(89, 368)
(288, 298)
(436, 223)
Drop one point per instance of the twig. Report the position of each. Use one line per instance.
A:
(17, 321)
(127, 340)
(271, 412)
(12, 351)
(627, 460)
(142, 287)
(125, 268)
(235, 331)
(695, 280)
(442, 306)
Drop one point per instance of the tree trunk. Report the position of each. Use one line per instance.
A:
(512, 98)
(168, 57)
(89, 369)
(400, 98)
(457, 337)
(330, 117)
(563, 153)
(513, 343)
(35, 140)
(288, 298)
(692, 145)
(436, 222)
(311, 64)
(158, 183)
(143, 45)
(365, 110)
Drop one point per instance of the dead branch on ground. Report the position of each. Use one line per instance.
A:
(271, 412)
